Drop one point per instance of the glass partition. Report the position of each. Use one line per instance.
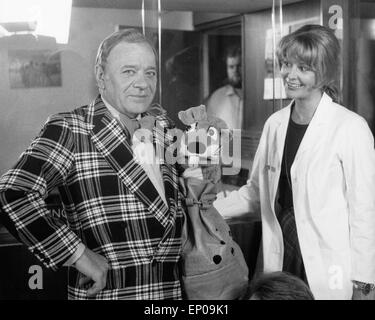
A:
(363, 92)
(44, 73)
(47, 56)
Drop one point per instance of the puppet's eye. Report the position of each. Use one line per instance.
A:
(191, 128)
(212, 133)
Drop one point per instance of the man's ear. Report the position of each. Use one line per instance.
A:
(99, 75)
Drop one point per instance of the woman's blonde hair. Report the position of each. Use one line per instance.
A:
(317, 47)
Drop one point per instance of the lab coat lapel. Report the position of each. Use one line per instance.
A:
(315, 130)
(276, 152)
(281, 130)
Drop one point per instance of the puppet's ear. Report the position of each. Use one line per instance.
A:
(156, 110)
(193, 114)
(216, 122)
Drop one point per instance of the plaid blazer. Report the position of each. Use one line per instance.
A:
(110, 204)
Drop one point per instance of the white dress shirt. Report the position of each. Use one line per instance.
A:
(226, 103)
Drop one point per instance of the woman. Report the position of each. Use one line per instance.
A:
(313, 177)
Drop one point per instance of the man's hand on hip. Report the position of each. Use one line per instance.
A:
(95, 268)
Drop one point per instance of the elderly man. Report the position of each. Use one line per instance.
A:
(227, 102)
(122, 238)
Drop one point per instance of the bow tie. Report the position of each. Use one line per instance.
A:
(131, 125)
(147, 122)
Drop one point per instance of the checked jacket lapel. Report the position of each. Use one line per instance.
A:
(111, 140)
(162, 140)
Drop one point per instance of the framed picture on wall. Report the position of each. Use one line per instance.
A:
(34, 69)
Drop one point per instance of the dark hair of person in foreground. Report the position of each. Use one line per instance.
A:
(278, 286)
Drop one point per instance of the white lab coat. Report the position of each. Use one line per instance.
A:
(333, 185)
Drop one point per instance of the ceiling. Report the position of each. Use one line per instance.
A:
(223, 6)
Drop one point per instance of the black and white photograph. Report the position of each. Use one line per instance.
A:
(196, 156)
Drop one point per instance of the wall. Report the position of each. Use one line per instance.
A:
(23, 111)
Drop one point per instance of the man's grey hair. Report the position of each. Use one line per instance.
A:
(130, 35)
